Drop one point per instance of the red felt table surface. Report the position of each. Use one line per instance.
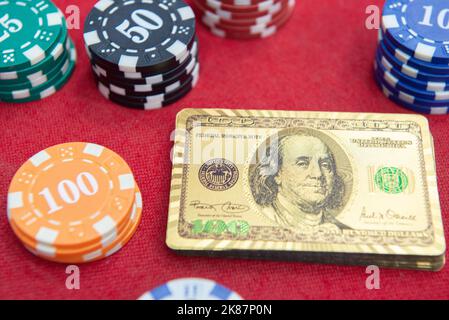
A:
(321, 60)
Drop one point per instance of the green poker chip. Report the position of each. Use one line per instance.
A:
(29, 30)
(38, 78)
(47, 89)
(45, 66)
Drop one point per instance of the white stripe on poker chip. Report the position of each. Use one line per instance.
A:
(390, 22)
(55, 18)
(8, 75)
(114, 250)
(186, 13)
(151, 79)
(143, 87)
(105, 241)
(92, 255)
(242, 2)
(196, 77)
(117, 90)
(73, 54)
(93, 149)
(177, 49)
(39, 158)
(105, 226)
(138, 200)
(190, 289)
(128, 63)
(35, 54)
(262, 6)
(433, 110)
(91, 38)
(45, 250)
(173, 87)
(436, 86)
(99, 70)
(126, 181)
(46, 235)
(37, 79)
(425, 52)
(442, 95)
(21, 94)
(56, 53)
(104, 90)
(133, 212)
(48, 92)
(104, 4)
(406, 97)
(227, 15)
(58, 50)
(15, 200)
(210, 18)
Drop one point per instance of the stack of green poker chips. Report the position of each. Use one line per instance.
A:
(37, 56)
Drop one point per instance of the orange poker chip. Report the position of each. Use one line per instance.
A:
(71, 195)
(90, 255)
(84, 254)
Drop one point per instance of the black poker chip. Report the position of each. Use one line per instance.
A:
(143, 90)
(169, 91)
(147, 81)
(139, 35)
(144, 54)
(155, 102)
(138, 78)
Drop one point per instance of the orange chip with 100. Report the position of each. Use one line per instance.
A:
(71, 195)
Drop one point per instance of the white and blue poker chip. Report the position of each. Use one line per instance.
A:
(407, 97)
(419, 109)
(432, 68)
(190, 289)
(412, 58)
(416, 83)
(406, 100)
(395, 82)
(410, 71)
(418, 27)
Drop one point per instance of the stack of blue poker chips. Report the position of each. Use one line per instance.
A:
(412, 58)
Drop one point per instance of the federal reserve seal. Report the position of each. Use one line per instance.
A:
(218, 174)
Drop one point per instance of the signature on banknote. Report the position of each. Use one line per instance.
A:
(226, 207)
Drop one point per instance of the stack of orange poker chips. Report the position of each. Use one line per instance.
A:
(74, 202)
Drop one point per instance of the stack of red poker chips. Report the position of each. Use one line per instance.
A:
(244, 19)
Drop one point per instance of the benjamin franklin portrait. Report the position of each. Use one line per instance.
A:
(297, 181)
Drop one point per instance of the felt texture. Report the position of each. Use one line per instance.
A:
(321, 60)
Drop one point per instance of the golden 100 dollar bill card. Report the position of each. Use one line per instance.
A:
(347, 188)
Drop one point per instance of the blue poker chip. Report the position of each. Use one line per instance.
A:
(418, 84)
(424, 110)
(407, 100)
(410, 71)
(441, 96)
(407, 97)
(419, 28)
(431, 68)
(191, 289)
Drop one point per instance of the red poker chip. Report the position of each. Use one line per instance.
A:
(259, 7)
(228, 15)
(254, 27)
(209, 17)
(242, 2)
(255, 33)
